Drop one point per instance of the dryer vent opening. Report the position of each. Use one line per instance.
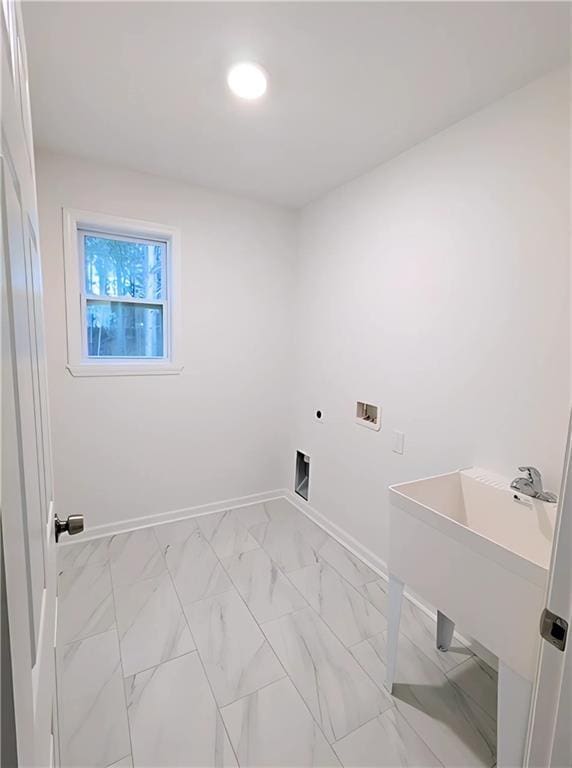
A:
(302, 478)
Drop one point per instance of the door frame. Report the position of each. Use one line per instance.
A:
(549, 742)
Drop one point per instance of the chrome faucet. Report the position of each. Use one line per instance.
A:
(531, 485)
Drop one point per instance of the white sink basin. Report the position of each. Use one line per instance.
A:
(471, 547)
(480, 510)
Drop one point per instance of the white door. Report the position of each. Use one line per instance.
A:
(550, 733)
(27, 506)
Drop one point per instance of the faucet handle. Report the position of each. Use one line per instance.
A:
(534, 476)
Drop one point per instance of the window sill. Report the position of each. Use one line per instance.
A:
(130, 369)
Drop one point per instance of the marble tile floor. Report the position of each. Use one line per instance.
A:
(251, 637)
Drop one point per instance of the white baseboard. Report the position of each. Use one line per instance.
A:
(131, 524)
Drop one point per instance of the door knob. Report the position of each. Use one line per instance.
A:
(73, 525)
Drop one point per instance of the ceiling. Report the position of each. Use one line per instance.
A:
(142, 84)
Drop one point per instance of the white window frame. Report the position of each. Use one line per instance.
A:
(79, 364)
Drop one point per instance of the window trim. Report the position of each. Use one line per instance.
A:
(78, 364)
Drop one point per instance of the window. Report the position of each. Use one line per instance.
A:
(124, 296)
(125, 274)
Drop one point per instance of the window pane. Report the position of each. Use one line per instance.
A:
(120, 329)
(124, 267)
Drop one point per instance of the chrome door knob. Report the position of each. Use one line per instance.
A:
(73, 525)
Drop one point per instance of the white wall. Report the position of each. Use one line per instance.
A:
(438, 287)
(133, 446)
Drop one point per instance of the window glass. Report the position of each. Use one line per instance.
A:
(119, 267)
(124, 329)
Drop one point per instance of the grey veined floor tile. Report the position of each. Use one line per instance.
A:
(176, 532)
(91, 552)
(290, 545)
(93, 716)
(343, 608)
(173, 718)
(388, 741)
(279, 509)
(273, 727)
(348, 565)
(151, 624)
(457, 730)
(371, 655)
(125, 762)
(196, 570)
(135, 556)
(376, 593)
(339, 694)
(226, 534)
(265, 589)
(478, 681)
(85, 602)
(253, 514)
(237, 657)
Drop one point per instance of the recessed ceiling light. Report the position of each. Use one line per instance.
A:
(247, 80)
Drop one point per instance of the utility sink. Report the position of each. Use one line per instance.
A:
(478, 552)
(481, 511)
